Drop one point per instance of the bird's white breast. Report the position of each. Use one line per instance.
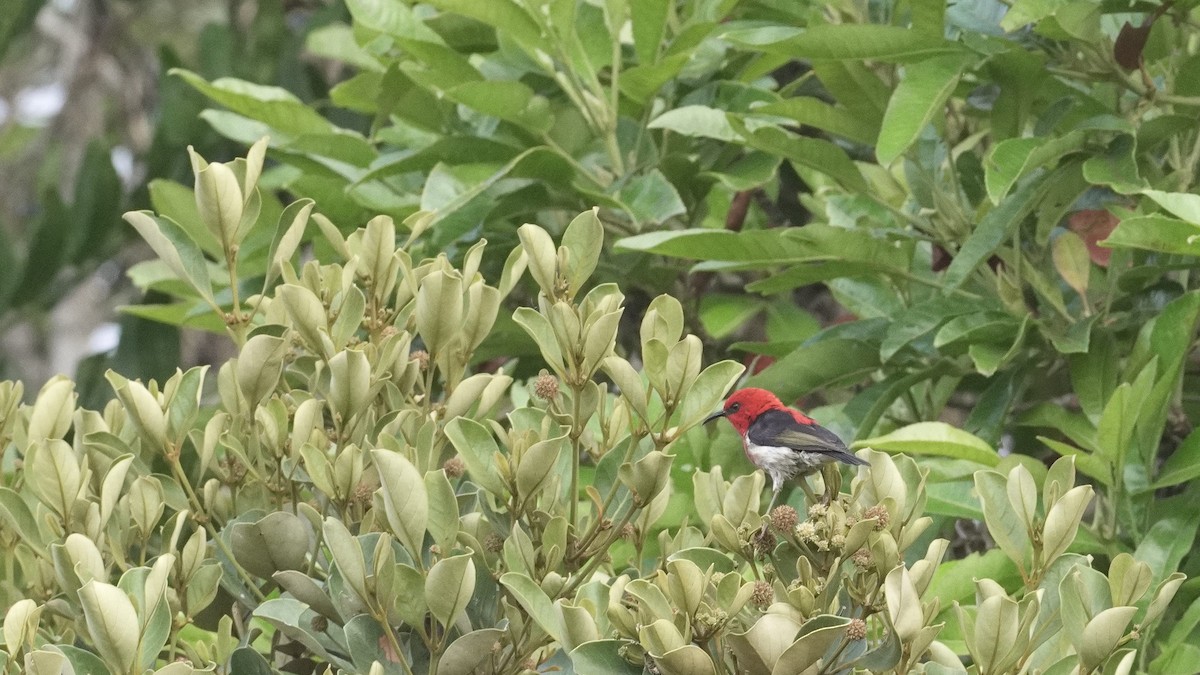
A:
(783, 461)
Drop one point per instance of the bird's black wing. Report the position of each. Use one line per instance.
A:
(779, 428)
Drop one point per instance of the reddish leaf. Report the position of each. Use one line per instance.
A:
(1131, 41)
(1127, 50)
(1094, 226)
(941, 258)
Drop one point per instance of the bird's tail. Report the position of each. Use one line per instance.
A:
(845, 456)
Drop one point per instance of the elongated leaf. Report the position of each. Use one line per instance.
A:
(815, 112)
(815, 153)
(1156, 233)
(112, 622)
(175, 248)
(696, 120)
(274, 106)
(1013, 158)
(504, 15)
(449, 586)
(934, 438)
(843, 41)
(813, 366)
(995, 228)
(917, 99)
(535, 602)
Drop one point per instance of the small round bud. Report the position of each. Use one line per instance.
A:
(763, 541)
(784, 518)
(818, 510)
(838, 541)
(493, 543)
(545, 386)
(421, 357)
(389, 331)
(879, 512)
(763, 594)
(806, 531)
(628, 532)
(454, 467)
(862, 558)
(856, 629)
(363, 493)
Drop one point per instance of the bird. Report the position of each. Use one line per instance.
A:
(783, 442)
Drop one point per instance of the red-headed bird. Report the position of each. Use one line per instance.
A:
(782, 442)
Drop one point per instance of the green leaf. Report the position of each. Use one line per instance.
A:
(954, 580)
(510, 101)
(278, 541)
(369, 645)
(449, 587)
(1088, 463)
(1003, 521)
(817, 113)
(1181, 204)
(602, 657)
(723, 313)
(392, 18)
(1156, 233)
(753, 249)
(175, 248)
(535, 602)
(933, 438)
(1101, 635)
(1117, 167)
(814, 153)
(813, 641)
(817, 364)
(584, 239)
(707, 391)
(247, 661)
(18, 517)
(1169, 539)
(648, 19)
(336, 42)
(505, 16)
(295, 620)
(843, 41)
(112, 624)
(903, 603)
(443, 509)
(276, 107)
(1062, 521)
(469, 651)
(651, 198)
(405, 500)
(1182, 466)
(920, 320)
(477, 447)
(696, 120)
(995, 228)
(921, 95)
(1013, 158)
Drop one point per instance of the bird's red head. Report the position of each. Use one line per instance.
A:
(744, 405)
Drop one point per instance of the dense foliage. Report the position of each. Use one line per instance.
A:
(997, 202)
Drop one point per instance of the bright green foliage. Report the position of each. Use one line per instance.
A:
(346, 502)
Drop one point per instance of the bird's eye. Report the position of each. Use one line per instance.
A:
(734, 407)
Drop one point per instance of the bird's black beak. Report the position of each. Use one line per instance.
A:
(719, 413)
